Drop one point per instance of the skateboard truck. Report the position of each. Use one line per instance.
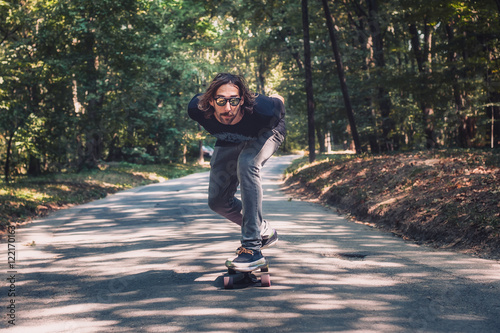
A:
(235, 277)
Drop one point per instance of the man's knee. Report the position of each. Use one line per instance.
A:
(248, 169)
(218, 204)
(214, 204)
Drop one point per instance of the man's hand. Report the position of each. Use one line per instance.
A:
(278, 97)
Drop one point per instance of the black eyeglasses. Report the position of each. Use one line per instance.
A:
(233, 101)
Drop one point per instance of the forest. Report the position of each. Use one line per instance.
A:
(90, 81)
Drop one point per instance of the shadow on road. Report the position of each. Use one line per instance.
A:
(151, 260)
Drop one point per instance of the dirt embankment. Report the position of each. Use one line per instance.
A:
(448, 201)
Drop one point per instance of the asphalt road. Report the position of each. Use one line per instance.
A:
(152, 259)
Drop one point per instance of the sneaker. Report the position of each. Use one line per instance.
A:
(270, 240)
(247, 260)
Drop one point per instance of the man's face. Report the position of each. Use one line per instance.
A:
(227, 114)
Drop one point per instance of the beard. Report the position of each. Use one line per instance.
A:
(227, 118)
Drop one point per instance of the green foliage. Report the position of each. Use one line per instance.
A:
(88, 81)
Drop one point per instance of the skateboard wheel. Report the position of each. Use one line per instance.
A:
(264, 269)
(265, 280)
(228, 282)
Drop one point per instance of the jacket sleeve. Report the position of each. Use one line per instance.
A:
(269, 111)
(193, 111)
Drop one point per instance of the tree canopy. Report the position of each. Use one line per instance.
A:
(86, 81)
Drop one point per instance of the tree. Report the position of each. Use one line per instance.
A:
(308, 82)
(19, 88)
(422, 57)
(341, 75)
(89, 81)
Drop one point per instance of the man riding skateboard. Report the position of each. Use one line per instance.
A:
(249, 129)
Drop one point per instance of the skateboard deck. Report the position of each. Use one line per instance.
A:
(236, 278)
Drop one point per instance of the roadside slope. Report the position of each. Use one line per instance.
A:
(444, 199)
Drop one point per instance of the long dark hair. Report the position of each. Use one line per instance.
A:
(222, 79)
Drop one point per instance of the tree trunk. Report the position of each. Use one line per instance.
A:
(92, 152)
(493, 97)
(365, 43)
(184, 153)
(493, 132)
(382, 95)
(341, 75)
(261, 70)
(427, 110)
(309, 85)
(321, 139)
(7, 160)
(201, 159)
(464, 131)
(34, 166)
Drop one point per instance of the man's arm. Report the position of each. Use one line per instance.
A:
(281, 107)
(269, 110)
(193, 111)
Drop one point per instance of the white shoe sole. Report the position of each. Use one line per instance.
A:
(246, 267)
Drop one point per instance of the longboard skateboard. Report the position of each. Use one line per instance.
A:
(242, 279)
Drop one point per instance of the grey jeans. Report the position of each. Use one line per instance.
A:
(241, 165)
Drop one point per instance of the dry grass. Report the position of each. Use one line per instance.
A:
(28, 198)
(448, 199)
